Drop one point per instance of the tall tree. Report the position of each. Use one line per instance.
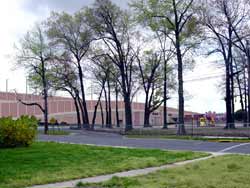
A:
(112, 26)
(238, 14)
(175, 19)
(222, 35)
(35, 54)
(72, 34)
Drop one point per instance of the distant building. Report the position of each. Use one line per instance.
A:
(63, 109)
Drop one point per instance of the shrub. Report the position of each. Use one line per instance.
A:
(64, 123)
(15, 133)
(52, 121)
(240, 115)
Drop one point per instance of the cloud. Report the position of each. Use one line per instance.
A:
(18, 16)
(71, 6)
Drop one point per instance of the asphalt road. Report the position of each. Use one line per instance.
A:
(110, 139)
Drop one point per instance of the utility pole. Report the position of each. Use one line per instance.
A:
(26, 83)
(91, 92)
(7, 85)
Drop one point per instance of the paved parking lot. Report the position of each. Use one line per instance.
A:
(110, 139)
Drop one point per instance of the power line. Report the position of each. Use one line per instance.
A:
(205, 75)
(204, 78)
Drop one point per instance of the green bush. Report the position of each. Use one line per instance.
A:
(240, 115)
(52, 121)
(15, 133)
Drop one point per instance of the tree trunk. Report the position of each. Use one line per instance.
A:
(81, 108)
(46, 124)
(116, 107)
(228, 98)
(45, 97)
(85, 112)
(109, 105)
(102, 114)
(96, 106)
(74, 94)
(128, 113)
(232, 125)
(106, 107)
(77, 112)
(127, 102)
(165, 114)
(245, 97)
(181, 127)
(248, 79)
(240, 92)
(146, 111)
(146, 117)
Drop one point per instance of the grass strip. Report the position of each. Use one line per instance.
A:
(48, 162)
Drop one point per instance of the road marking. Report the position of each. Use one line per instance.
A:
(233, 147)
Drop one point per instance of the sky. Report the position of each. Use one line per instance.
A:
(19, 16)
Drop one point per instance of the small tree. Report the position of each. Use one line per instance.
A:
(152, 78)
(103, 72)
(35, 54)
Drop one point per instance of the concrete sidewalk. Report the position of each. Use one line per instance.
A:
(130, 173)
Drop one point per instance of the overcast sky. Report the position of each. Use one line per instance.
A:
(18, 16)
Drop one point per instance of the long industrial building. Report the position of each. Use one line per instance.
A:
(63, 109)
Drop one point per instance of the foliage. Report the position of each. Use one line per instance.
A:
(20, 132)
(152, 78)
(34, 53)
(160, 17)
(52, 162)
(52, 121)
(70, 31)
(71, 35)
(113, 29)
(240, 115)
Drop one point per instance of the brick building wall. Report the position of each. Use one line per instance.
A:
(63, 109)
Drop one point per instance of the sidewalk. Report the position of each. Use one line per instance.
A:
(130, 173)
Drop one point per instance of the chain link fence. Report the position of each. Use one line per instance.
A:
(218, 130)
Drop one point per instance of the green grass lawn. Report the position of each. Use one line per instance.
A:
(190, 138)
(231, 171)
(52, 162)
